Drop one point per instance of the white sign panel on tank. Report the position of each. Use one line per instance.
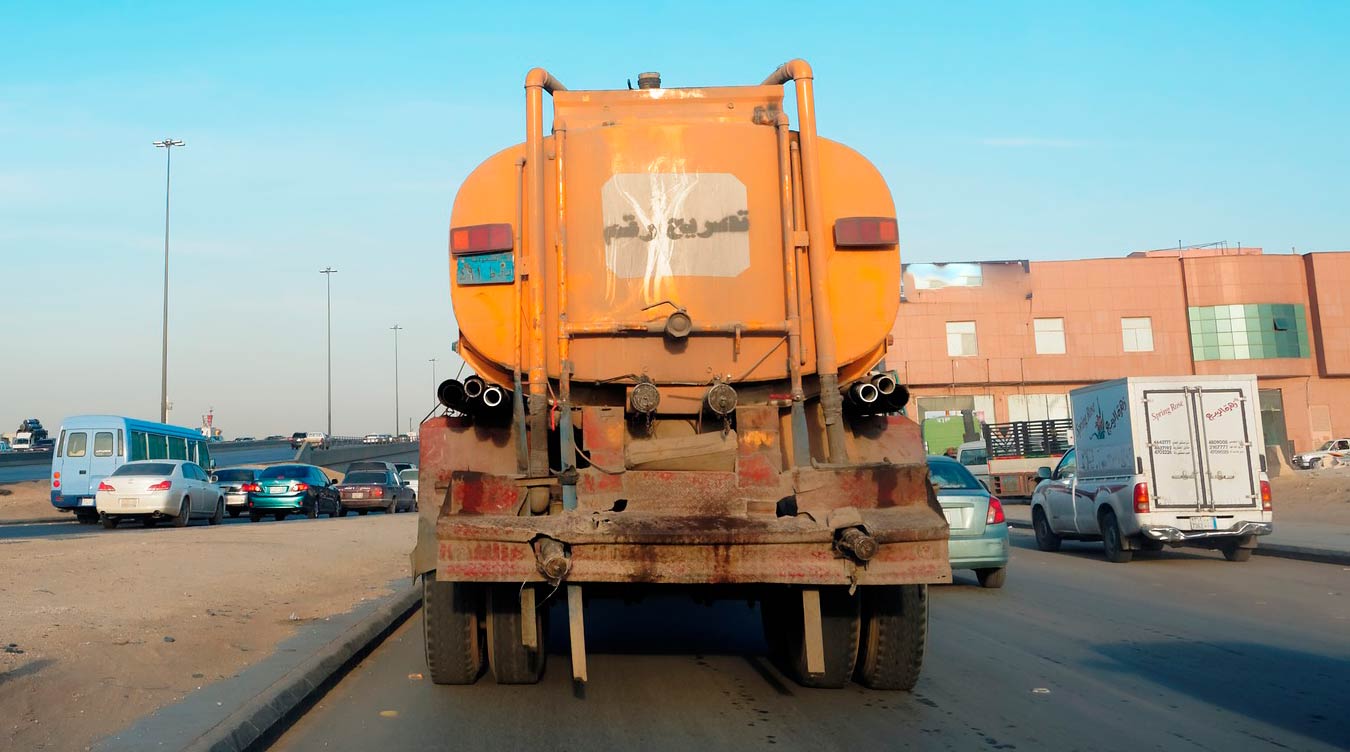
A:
(675, 224)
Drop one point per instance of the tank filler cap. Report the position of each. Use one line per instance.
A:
(649, 80)
(679, 325)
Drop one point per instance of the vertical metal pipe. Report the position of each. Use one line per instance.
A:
(164, 344)
(827, 365)
(517, 396)
(565, 436)
(537, 81)
(800, 448)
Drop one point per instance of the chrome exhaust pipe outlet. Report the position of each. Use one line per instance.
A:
(863, 394)
(885, 383)
(494, 396)
(474, 386)
(897, 400)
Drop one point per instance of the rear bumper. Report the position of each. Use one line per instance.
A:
(1175, 535)
(236, 500)
(380, 503)
(278, 503)
(72, 503)
(163, 503)
(631, 547)
(987, 550)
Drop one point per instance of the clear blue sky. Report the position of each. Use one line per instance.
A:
(323, 134)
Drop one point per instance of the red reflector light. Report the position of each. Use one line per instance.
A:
(302, 486)
(163, 485)
(995, 515)
(378, 492)
(1141, 497)
(56, 482)
(103, 486)
(481, 238)
(865, 232)
(1265, 496)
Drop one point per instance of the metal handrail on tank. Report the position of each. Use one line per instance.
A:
(827, 365)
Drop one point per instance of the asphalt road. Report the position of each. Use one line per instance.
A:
(1174, 651)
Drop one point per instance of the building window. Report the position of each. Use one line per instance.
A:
(1049, 336)
(961, 339)
(1137, 334)
(1249, 332)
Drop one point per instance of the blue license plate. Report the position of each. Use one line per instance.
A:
(486, 269)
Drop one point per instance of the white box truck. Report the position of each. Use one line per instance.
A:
(1159, 461)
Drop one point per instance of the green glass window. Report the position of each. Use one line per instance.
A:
(178, 449)
(158, 447)
(1251, 331)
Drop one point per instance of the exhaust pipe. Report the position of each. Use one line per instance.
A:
(863, 394)
(885, 383)
(552, 559)
(858, 543)
(494, 396)
(896, 400)
(474, 386)
(451, 394)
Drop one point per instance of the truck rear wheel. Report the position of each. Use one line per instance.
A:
(1233, 551)
(511, 661)
(894, 636)
(1113, 542)
(450, 630)
(784, 628)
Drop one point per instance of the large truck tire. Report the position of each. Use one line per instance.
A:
(511, 661)
(894, 636)
(1234, 551)
(450, 630)
(785, 631)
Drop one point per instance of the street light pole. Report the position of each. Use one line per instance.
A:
(395, 328)
(167, 145)
(328, 273)
(433, 376)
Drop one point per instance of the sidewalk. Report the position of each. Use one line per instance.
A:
(1304, 539)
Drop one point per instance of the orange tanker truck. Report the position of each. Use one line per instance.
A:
(678, 309)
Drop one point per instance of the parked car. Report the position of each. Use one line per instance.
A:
(409, 478)
(364, 490)
(1334, 452)
(282, 490)
(1159, 461)
(979, 530)
(234, 483)
(156, 490)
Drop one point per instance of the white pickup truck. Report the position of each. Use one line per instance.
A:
(1159, 461)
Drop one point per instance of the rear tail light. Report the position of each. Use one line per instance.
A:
(163, 485)
(481, 238)
(378, 492)
(56, 482)
(103, 486)
(1265, 496)
(302, 486)
(995, 515)
(250, 488)
(865, 232)
(1141, 497)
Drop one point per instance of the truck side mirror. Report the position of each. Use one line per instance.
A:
(1044, 473)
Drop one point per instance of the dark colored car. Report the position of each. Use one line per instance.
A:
(376, 465)
(364, 490)
(282, 490)
(234, 482)
(298, 439)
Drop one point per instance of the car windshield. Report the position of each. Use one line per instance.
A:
(285, 472)
(951, 476)
(144, 468)
(364, 476)
(235, 475)
(974, 456)
(1327, 447)
(408, 475)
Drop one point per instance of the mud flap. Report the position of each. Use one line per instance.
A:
(577, 632)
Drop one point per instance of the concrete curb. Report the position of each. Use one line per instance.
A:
(1275, 550)
(271, 709)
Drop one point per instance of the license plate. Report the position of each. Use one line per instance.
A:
(86, 502)
(1203, 523)
(128, 503)
(277, 489)
(358, 496)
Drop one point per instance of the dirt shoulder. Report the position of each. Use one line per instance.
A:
(1313, 496)
(114, 624)
(28, 500)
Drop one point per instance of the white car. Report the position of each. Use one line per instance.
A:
(409, 477)
(371, 438)
(1332, 453)
(158, 490)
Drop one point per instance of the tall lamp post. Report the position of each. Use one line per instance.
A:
(433, 376)
(395, 329)
(167, 145)
(328, 273)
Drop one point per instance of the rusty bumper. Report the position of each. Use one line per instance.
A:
(626, 547)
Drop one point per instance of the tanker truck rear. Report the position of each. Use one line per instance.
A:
(677, 307)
